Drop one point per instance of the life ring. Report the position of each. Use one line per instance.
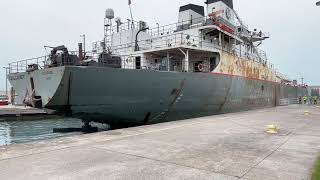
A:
(200, 67)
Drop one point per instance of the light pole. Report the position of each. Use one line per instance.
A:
(6, 80)
(84, 42)
(158, 26)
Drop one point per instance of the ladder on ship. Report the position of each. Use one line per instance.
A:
(108, 34)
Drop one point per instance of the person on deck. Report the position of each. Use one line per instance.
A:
(300, 99)
(315, 99)
(305, 98)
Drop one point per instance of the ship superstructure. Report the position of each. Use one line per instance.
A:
(206, 63)
(198, 42)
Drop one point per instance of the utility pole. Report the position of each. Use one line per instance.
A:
(84, 42)
(158, 28)
(6, 80)
(129, 3)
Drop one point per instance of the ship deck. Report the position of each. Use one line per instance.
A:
(230, 146)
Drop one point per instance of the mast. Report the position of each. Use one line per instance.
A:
(108, 29)
(132, 24)
(129, 3)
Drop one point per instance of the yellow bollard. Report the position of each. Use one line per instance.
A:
(306, 113)
(272, 129)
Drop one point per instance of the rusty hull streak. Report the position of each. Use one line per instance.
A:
(244, 67)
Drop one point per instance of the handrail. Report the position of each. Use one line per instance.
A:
(180, 39)
(41, 61)
(171, 40)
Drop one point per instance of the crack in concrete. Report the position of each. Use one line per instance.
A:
(268, 155)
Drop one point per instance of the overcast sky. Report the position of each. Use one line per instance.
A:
(27, 25)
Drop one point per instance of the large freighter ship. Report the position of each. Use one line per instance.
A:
(205, 64)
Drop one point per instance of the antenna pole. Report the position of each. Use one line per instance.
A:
(84, 44)
(6, 80)
(131, 14)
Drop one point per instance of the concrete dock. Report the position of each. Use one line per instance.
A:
(21, 112)
(230, 146)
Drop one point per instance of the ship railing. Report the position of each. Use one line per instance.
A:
(185, 25)
(182, 39)
(260, 34)
(170, 31)
(169, 41)
(179, 26)
(256, 55)
(128, 62)
(41, 62)
(23, 65)
(162, 30)
(125, 26)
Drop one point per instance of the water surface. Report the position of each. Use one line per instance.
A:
(13, 132)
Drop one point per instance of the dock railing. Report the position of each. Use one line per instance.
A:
(288, 101)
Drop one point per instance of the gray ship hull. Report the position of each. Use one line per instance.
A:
(141, 97)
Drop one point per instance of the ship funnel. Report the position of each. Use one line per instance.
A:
(189, 15)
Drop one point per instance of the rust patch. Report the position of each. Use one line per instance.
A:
(244, 67)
